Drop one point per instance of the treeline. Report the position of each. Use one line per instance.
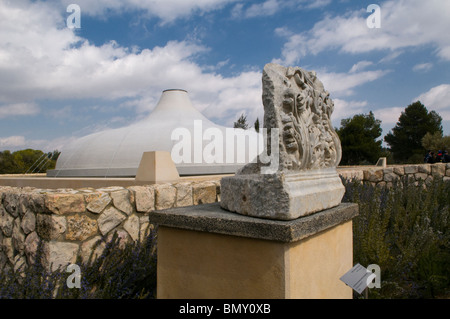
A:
(417, 132)
(27, 161)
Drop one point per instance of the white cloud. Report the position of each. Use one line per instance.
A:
(389, 115)
(15, 143)
(345, 109)
(271, 7)
(12, 142)
(18, 109)
(342, 84)
(437, 99)
(268, 7)
(166, 10)
(422, 67)
(361, 65)
(404, 24)
(47, 61)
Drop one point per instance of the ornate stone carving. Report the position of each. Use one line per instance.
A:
(302, 142)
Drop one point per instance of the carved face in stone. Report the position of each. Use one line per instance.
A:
(289, 101)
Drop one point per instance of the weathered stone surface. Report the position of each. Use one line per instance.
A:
(184, 194)
(132, 226)
(374, 176)
(11, 202)
(3, 257)
(204, 193)
(60, 254)
(121, 200)
(110, 219)
(438, 169)
(8, 249)
(411, 169)
(145, 227)
(144, 197)
(296, 195)
(424, 168)
(94, 247)
(20, 264)
(30, 201)
(352, 174)
(421, 176)
(61, 203)
(80, 227)
(18, 237)
(302, 141)
(6, 222)
(399, 170)
(429, 179)
(165, 196)
(29, 222)
(390, 177)
(122, 237)
(31, 246)
(99, 203)
(50, 227)
(211, 218)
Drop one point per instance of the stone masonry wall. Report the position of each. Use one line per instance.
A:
(71, 221)
(386, 176)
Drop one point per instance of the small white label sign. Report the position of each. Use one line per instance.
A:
(358, 278)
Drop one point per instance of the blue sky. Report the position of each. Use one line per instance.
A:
(59, 83)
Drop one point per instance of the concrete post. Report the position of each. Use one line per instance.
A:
(206, 252)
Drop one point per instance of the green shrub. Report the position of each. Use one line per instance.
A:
(405, 230)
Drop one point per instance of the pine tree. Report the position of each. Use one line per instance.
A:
(241, 122)
(405, 140)
(256, 125)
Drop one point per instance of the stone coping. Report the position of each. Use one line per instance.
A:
(83, 182)
(212, 218)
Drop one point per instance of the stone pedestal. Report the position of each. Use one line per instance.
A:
(207, 252)
(282, 196)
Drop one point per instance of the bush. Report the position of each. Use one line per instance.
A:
(121, 271)
(405, 230)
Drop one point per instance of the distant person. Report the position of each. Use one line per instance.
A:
(427, 157)
(431, 158)
(446, 157)
(439, 157)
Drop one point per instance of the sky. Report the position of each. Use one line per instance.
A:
(62, 78)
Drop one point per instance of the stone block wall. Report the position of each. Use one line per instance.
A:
(71, 221)
(387, 176)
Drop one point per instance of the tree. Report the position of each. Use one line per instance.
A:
(241, 122)
(435, 142)
(27, 161)
(7, 163)
(405, 140)
(256, 125)
(359, 142)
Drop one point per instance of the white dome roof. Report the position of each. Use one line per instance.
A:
(117, 152)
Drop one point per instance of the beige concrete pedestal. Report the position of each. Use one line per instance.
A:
(206, 252)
